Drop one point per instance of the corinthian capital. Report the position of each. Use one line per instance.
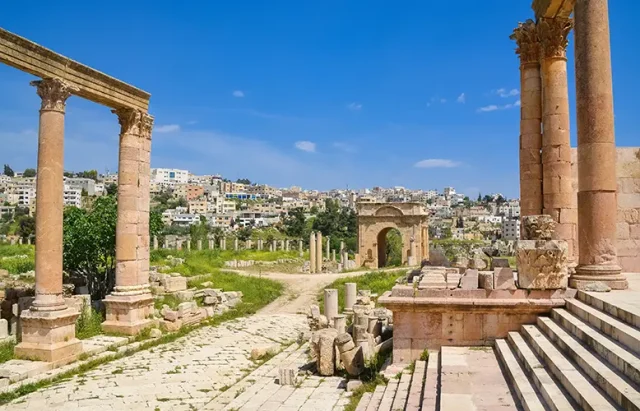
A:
(134, 121)
(528, 42)
(554, 35)
(54, 93)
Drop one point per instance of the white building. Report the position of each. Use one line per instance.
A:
(72, 196)
(511, 229)
(185, 219)
(169, 176)
(449, 192)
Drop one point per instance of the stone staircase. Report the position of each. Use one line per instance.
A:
(584, 356)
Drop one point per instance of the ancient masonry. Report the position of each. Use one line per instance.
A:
(586, 222)
(48, 327)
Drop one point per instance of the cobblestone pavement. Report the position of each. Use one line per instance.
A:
(208, 369)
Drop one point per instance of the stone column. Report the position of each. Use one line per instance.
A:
(199, 243)
(188, 244)
(330, 303)
(259, 244)
(350, 296)
(248, 244)
(155, 242)
(318, 252)
(178, 244)
(211, 244)
(328, 247)
(286, 245)
(342, 252)
(559, 199)
(597, 204)
(312, 253)
(528, 48)
(129, 305)
(333, 255)
(48, 326)
(235, 244)
(300, 250)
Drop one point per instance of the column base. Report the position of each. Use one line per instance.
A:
(128, 314)
(49, 336)
(608, 274)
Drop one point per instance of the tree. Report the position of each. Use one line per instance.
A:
(244, 233)
(479, 200)
(500, 200)
(112, 189)
(20, 211)
(155, 224)
(393, 250)
(294, 223)
(92, 174)
(26, 226)
(199, 231)
(8, 171)
(29, 172)
(243, 181)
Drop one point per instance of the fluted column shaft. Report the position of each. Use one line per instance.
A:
(597, 185)
(559, 199)
(49, 194)
(526, 37)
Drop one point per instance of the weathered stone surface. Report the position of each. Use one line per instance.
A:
(485, 280)
(263, 350)
(598, 287)
(469, 280)
(499, 262)
(353, 385)
(538, 227)
(478, 263)
(185, 295)
(172, 284)
(434, 279)
(352, 357)
(155, 333)
(287, 375)
(542, 265)
(453, 280)
(503, 279)
(326, 354)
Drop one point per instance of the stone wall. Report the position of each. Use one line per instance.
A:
(628, 175)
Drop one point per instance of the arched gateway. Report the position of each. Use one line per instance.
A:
(376, 219)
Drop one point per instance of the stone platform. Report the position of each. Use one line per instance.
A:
(431, 318)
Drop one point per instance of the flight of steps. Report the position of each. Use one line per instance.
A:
(413, 391)
(583, 356)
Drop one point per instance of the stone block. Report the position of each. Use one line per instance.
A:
(433, 280)
(170, 315)
(499, 263)
(503, 279)
(185, 295)
(185, 309)
(287, 375)
(173, 284)
(209, 300)
(453, 280)
(469, 280)
(4, 328)
(353, 385)
(478, 263)
(263, 350)
(485, 280)
(538, 227)
(326, 355)
(542, 265)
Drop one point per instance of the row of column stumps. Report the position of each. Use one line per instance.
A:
(315, 252)
(331, 307)
(587, 222)
(284, 244)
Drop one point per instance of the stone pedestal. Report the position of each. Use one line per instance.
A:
(49, 335)
(542, 265)
(128, 314)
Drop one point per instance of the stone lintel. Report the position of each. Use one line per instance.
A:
(91, 84)
(553, 8)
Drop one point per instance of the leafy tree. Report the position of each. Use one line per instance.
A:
(155, 224)
(199, 231)
(20, 211)
(92, 174)
(6, 217)
(112, 189)
(26, 226)
(29, 172)
(487, 198)
(243, 181)
(337, 222)
(314, 210)
(8, 171)
(294, 223)
(68, 174)
(244, 233)
(500, 200)
(479, 200)
(393, 248)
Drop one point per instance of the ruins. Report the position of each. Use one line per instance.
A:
(48, 327)
(374, 222)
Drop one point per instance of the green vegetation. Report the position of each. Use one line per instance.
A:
(206, 261)
(376, 281)
(453, 247)
(170, 299)
(12, 258)
(370, 378)
(6, 351)
(393, 248)
(89, 324)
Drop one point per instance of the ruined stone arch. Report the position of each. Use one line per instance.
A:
(376, 219)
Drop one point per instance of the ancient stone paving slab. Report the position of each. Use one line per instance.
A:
(183, 375)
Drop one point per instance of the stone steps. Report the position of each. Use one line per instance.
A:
(363, 405)
(624, 314)
(430, 389)
(525, 391)
(579, 387)
(376, 398)
(389, 395)
(607, 324)
(414, 398)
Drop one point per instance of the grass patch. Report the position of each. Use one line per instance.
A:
(205, 261)
(89, 324)
(6, 351)
(376, 281)
(169, 299)
(12, 259)
(370, 378)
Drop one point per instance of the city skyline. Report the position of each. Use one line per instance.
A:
(359, 96)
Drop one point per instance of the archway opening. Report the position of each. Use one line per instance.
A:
(390, 248)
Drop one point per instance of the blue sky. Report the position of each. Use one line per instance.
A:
(319, 94)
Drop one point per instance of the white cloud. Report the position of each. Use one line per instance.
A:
(436, 163)
(354, 106)
(238, 93)
(507, 93)
(517, 103)
(307, 146)
(461, 98)
(443, 100)
(492, 107)
(169, 128)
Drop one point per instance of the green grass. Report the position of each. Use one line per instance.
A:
(376, 281)
(170, 299)
(6, 351)
(10, 261)
(202, 262)
(89, 324)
